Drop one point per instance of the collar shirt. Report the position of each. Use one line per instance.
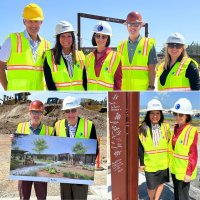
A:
(33, 44)
(72, 130)
(132, 47)
(69, 61)
(35, 131)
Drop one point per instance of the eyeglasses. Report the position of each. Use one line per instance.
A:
(98, 36)
(134, 24)
(72, 110)
(34, 112)
(176, 45)
(178, 114)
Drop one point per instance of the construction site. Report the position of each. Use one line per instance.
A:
(14, 109)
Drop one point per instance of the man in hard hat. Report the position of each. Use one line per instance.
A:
(23, 54)
(138, 56)
(36, 127)
(74, 126)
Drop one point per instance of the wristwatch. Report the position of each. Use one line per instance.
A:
(151, 87)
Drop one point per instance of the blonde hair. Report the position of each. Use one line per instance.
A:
(167, 56)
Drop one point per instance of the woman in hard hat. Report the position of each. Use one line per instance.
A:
(64, 66)
(154, 137)
(183, 147)
(103, 64)
(178, 72)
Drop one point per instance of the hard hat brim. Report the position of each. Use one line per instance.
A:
(35, 19)
(100, 32)
(71, 107)
(182, 112)
(65, 32)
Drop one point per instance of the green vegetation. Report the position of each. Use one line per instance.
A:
(89, 168)
(40, 145)
(79, 148)
(51, 170)
(14, 164)
(75, 175)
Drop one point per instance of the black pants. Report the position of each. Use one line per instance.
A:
(73, 191)
(181, 189)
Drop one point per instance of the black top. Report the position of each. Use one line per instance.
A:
(49, 80)
(192, 74)
(141, 153)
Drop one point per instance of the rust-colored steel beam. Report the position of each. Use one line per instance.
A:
(123, 126)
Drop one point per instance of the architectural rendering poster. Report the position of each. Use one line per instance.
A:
(53, 159)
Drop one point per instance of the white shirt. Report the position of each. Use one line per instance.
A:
(5, 50)
(72, 130)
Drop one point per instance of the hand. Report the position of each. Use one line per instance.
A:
(141, 168)
(187, 178)
(12, 137)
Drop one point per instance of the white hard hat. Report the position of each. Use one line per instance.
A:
(154, 104)
(63, 27)
(182, 106)
(70, 102)
(103, 27)
(176, 38)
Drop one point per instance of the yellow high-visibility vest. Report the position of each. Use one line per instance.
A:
(60, 73)
(179, 157)
(105, 81)
(176, 80)
(23, 73)
(135, 74)
(83, 130)
(156, 158)
(23, 128)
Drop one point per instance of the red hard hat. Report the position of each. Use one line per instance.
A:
(134, 17)
(36, 105)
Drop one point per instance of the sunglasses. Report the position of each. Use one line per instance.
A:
(134, 24)
(72, 110)
(34, 112)
(178, 114)
(175, 45)
(98, 36)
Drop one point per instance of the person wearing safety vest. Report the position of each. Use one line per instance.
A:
(36, 127)
(138, 56)
(74, 126)
(64, 67)
(178, 72)
(154, 136)
(22, 53)
(183, 149)
(103, 64)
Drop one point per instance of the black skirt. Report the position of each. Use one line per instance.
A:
(154, 179)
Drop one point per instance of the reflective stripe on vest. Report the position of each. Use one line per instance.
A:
(179, 158)
(23, 72)
(176, 80)
(60, 74)
(156, 158)
(83, 130)
(105, 81)
(25, 129)
(135, 73)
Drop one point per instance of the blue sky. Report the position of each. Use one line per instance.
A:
(56, 145)
(169, 98)
(42, 96)
(164, 17)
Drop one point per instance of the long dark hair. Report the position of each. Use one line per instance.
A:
(146, 123)
(57, 50)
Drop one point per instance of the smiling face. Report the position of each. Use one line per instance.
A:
(32, 27)
(36, 117)
(101, 40)
(175, 50)
(134, 29)
(155, 116)
(72, 116)
(66, 40)
(180, 119)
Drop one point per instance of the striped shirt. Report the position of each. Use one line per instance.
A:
(72, 130)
